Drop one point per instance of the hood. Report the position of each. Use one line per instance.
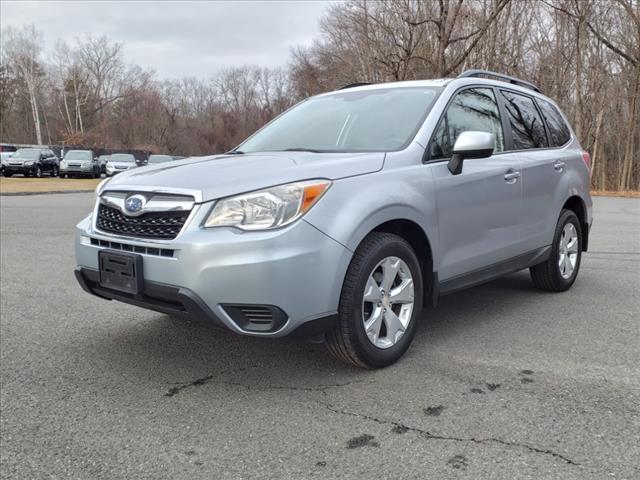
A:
(209, 178)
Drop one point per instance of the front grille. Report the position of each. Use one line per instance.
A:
(160, 225)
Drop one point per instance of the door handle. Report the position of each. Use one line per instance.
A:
(511, 176)
(559, 166)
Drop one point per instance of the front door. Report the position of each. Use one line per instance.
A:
(480, 210)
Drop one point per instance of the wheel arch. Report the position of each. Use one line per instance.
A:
(415, 235)
(577, 206)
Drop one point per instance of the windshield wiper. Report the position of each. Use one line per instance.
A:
(301, 150)
(235, 152)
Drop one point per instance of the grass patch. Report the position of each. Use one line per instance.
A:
(610, 193)
(51, 184)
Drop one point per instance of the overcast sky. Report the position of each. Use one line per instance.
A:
(175, 39)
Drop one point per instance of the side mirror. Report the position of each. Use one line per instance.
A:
(470, 145)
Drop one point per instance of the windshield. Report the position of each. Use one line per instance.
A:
(160, 158)
(78, 155)
(350, 121)
(27, 154)
(122, 157)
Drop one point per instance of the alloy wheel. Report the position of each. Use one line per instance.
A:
(568, 250)
(388, 301)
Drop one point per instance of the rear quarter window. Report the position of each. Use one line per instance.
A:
(559, 132)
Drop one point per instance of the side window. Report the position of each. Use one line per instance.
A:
(526, 125)
(440, 145)
(559, 132)
(473, 109)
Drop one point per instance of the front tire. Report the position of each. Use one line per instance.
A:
(559, 272)
(380, 303)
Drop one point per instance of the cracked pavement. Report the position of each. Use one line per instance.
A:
(502, 381)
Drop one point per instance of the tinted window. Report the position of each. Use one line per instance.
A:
(379, 119)
(27, 154)
(473, 109)
(160, 158)
(559, 132)
(526, 124)
(83, 155)
(122, 157)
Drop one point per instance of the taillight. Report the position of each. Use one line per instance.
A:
(587, 159)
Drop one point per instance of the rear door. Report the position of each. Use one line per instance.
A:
(479, 211)
(542, 166)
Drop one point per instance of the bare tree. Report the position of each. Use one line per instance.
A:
(22, 48)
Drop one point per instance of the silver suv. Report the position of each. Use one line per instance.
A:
(349, 213)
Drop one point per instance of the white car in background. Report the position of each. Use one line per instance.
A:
(4, 156)
(120, 162)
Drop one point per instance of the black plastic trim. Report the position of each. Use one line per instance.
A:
(168, 299)
(315, 327)
(271, 324)
(353, 85)
(494, 271)
(500, 77)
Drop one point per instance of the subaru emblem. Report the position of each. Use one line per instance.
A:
(134, 204)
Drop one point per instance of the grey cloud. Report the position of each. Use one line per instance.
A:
(180, 38)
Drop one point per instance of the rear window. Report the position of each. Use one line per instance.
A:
(526, 125)
(559, 132)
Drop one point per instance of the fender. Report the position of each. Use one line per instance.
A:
(574, 183)
(358, 205)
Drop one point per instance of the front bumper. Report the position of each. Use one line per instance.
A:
(297, 269)
(77, 170)
(19, 168)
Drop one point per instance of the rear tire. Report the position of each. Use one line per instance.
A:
(559, 272)
(350, 341)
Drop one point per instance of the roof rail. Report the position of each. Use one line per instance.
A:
(498, 76)
(351, 85)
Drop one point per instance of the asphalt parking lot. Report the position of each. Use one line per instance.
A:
(502, 381)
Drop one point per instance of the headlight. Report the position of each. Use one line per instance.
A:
(63, 164)
(269, 208)
(28, 164)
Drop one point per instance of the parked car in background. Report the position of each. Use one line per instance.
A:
(120, 162)
(32, 162)
(102, 161)
(4, 157)
(79, 163)
(155, 159)
(349, 212)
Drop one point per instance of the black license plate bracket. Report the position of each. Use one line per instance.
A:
(121, 271)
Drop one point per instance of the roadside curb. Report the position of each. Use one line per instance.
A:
(52, 192)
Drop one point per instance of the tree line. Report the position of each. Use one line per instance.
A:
(583, 54)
